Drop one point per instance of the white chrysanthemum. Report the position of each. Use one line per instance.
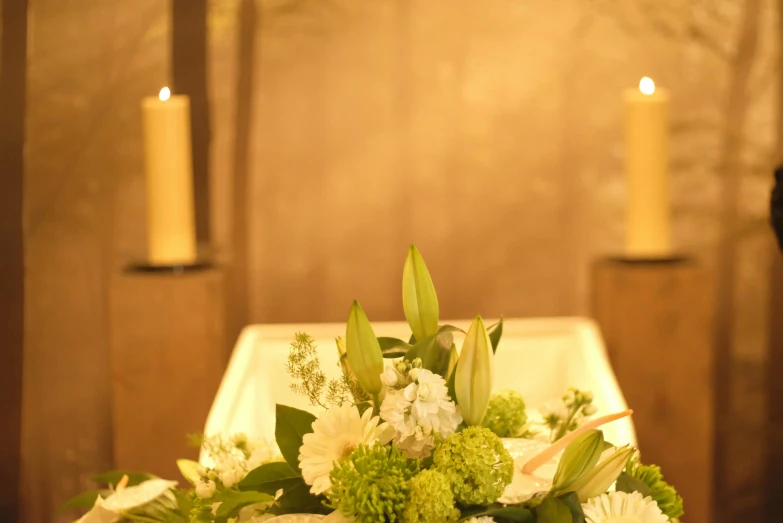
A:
(335, 435)
(621, 507)
(419, 412)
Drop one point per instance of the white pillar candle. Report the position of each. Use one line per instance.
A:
(648, 233)
(171, 228)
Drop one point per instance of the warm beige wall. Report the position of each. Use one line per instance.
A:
(90, 63)
(490, 133)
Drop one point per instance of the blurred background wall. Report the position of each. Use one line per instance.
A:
(488, 133)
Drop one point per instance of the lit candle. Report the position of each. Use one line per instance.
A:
(648, 233)
(171, 229)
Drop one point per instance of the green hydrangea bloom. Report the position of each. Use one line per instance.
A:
(431, 499)
(372, 484)
(669, 501)
(505, 414)
(476, 464)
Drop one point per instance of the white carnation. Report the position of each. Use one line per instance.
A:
(419, 412)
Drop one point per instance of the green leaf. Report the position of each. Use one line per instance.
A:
(189, 470)
(113, 477)
(628, 483)
(450, 328)
(571, 500)
(419, 300)
(436, 355)
(271, 477)
(495, 332)
(364, 351)
(232, 501)
(85, 499)
(552, 510)
(393, 347)
(291, 425)
(579, 458)
(418, 348)
(516, 514)
(297, 499)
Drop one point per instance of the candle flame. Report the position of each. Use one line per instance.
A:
(647, 86)
(165, 94)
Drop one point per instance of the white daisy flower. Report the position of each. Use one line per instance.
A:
(621, 507)
(335, 436)
(419, 412)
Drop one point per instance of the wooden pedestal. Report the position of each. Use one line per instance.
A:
(656, 320)
(169, 352)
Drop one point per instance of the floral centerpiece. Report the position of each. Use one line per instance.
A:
(411, 433)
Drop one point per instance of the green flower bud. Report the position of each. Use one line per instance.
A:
(598, 480)
(419, 300)
(579, 458)
(364, 351)
(473, 379)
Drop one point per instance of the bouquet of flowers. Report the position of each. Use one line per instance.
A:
(411, 432)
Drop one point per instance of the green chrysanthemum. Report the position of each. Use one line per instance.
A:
(505, 414)
(669, 501)
(372, 484)
(431, 499)
(476, 464)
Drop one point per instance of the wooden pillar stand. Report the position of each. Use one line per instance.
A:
(169, 352)
(656, 320)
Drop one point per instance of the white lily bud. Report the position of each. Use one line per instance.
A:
(473, 379)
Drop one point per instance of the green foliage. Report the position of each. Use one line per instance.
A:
(310, 381)
(271, 477)
(515, 514)
(290, 427)
(495, 332)
(476, 464)
(232, 501)
(669, 501)
(372, 484)
(430, 499)
(297, 499)
(553, 510)
(571, 500)
(505, 414)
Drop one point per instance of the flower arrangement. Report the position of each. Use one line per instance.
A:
(410, 433)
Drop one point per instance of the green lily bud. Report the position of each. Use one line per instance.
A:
(419, 300)
(364, 351)
(473, 378)
(579, 458)
(595, 482)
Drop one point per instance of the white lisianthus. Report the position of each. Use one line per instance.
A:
(335, 436)
(419, 412)
(621, 506)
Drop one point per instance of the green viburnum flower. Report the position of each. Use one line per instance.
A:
(669, 501)
(505, 414)
(476, 464)
(372, 484)
(431, 499)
